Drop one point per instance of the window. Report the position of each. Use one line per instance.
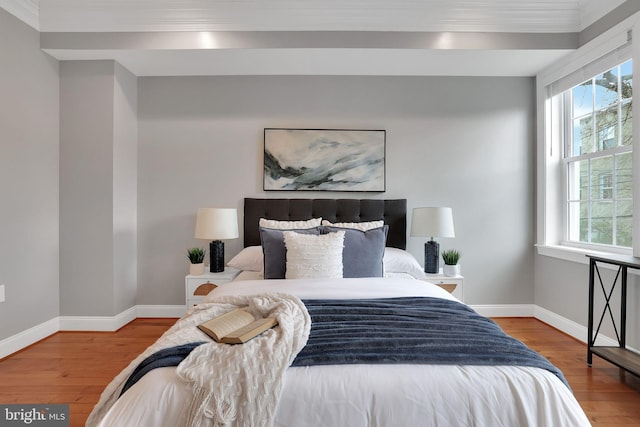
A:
(585, 198)
(598, 159)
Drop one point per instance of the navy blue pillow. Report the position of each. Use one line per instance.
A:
(275, 251)
(363, 251)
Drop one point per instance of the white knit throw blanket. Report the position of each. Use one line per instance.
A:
(237, 385)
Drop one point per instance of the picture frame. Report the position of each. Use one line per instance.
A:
(324, 160)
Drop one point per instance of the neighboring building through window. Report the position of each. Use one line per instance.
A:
(598, 159)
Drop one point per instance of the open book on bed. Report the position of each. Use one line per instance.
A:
(236, 327)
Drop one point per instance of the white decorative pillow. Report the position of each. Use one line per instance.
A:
(362, 226)
(399, 261)
(289, 225)
(314, 256)
(248, 259)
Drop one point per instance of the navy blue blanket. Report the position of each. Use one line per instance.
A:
(410, 330)
(171, 356)
(419, 330)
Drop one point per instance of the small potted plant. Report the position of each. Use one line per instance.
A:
(451, 258)
(196, 258)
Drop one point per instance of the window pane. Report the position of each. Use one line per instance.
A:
(583, 99)
(607, 128)
(627, 80)
(624, 223)
(601, 178)
(579, 221)
(584, 222)
(602, 223)
(579, 180)
(623, 176)
(625, 120)
(606, 88)
(583, 142)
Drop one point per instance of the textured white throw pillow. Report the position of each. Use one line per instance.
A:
(289, 225)
(314, 256)
(362, 226)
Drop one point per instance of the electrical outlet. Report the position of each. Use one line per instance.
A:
(1, 293)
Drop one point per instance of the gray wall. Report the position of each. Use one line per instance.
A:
(460, 142)
(467, 143)
(98, 169)
(125, 189)
(28, 179)
(563, 288)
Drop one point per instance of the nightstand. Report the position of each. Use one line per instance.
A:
(197, 287)
(452, 284)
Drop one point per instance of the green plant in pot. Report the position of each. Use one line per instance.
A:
(196, 258)
(451, 266)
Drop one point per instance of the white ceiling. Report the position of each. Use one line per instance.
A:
(296, 37)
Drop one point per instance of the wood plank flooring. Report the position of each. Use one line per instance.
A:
(74, 368)
(608, 395)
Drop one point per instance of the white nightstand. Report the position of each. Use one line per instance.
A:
(197, 287)
(453, 284)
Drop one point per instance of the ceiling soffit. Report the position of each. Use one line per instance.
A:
(403, 37)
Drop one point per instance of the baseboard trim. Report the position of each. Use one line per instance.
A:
(27, 337)
(97, 323)
(32, 335)
(161, 310)
(505, 310)
(569, 327)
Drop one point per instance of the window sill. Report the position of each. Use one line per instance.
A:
(573, 254)
(565, 253)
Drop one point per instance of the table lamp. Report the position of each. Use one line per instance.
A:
(216, 224)
(432, 222)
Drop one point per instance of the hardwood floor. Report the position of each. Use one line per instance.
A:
(74, 368)
(608, 395)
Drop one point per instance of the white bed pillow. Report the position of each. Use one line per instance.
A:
(289, 225)
(248, 259)
(400, 261)
(314, 256)
(362, 226)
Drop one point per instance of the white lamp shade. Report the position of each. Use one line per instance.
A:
(432, 222)
(216, 224)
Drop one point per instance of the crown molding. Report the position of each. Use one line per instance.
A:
(25, 10)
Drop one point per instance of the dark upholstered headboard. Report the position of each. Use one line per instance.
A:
(393, 212)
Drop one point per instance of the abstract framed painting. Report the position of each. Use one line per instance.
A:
(324, 160)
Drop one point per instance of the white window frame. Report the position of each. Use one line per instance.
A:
(613, 152)
(550, 174)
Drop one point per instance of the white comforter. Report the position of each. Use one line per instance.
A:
(374, 395)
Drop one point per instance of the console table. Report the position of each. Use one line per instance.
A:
(619, 355)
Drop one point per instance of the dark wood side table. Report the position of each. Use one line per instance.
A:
(619, 355)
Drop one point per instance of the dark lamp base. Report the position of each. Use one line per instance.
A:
(431, 257)
(216, 252)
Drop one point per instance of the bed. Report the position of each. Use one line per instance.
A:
(432, 376)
